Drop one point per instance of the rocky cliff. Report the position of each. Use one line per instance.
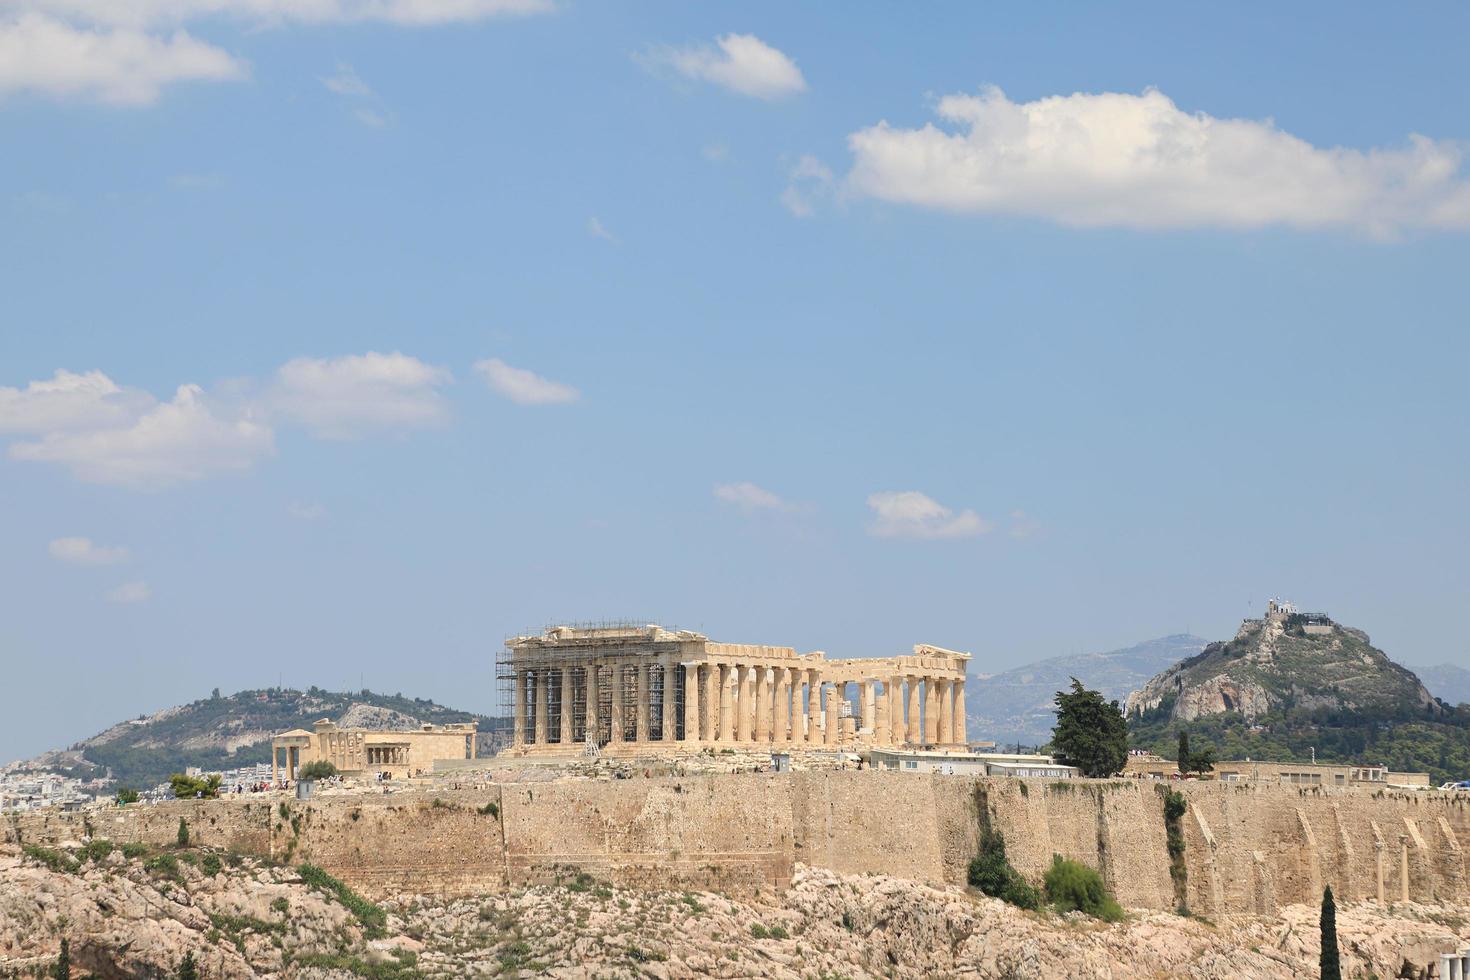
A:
(1285, 661)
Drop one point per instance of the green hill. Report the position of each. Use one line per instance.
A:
(1292, 683)
(229, 732)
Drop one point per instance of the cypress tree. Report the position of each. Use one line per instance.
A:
(1331, 967)
(183, 835)
(61, 969)
(1184, 761)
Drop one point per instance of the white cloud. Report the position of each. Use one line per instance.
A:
(911, 514)
(749, 497)
(359, 394)
(596, 229)
(122, 66)
(130, 592)
(155, 13)
(346, 81)
(171, 442)
(69, 401)
(524, 387)
(303, 511)
(82, 551)
(372, 118)
(1139, 161)
(811, 179)
(742, 63)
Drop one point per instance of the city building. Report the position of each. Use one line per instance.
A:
(972, 763)
(630, 689)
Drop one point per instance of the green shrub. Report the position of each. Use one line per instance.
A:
(372, 917)
(191, 787)
(55, 860)
(779, 932)
(280, 905)
(211, 864)
(187, 968)
(133, 849)
(582, 883)
(97, 849)
(61, 969)
(320, 769)
(126, 795)
(183, 834)
(164, 866)
(1071, 885)
(758, 931)
(991, 872)
(491, 809)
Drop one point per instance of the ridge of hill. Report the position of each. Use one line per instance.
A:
(1292, 686)
(228, 732)
(1017, 706)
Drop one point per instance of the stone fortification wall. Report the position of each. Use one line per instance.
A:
(1248, 848)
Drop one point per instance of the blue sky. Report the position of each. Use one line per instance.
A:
(1126, 320)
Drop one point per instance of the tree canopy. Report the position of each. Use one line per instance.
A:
(1090, 733)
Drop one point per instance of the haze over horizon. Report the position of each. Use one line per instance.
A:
(335, 349)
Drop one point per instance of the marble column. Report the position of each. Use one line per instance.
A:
(671, 702)
(959, 713)
(542, 680)
(518, 737)
(762, 704)
(727, 705)
(711, 721)
(746, 709)
(566, 706)
(692, 691)
(865, 703)
(915, 725)
(832, 698)
(781, 719)
(618, 680)
(589, 683)
(946, 712)
(640, 724)
(813, 707)
(931, 711)
(881, 734)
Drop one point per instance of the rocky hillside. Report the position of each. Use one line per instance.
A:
(1018, 706)
(227, 732)
(1285, 661)
(140, 914)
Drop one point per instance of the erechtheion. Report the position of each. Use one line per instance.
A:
(641, 688)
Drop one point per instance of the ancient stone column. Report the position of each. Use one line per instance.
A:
(727, 705)
(762, 704)
(881, 734)
(518, 737)
(865, 704)
(781, 719)
(275, 766)
(831, 738)
(670, 717)
(589, 683)
(711, 729)
(618, 680)
(692, 691)
(946, 712)
(813, 707)
(915, 726)
(641, 713)
(931, 711)
(543, 702)
(747, 703)
(959, 713)
(566, 707)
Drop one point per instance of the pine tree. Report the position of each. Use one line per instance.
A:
(1090, 733)
(61, 969)
(1331, 967)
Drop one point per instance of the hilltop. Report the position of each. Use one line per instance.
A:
(1018, 705)
(1291, 683)
(226, 732)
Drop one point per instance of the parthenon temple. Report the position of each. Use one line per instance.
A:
(630, 689)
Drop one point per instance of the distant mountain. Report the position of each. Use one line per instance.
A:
(1449, 683)
(1291, 686)
(1017, 706)
(234, 731)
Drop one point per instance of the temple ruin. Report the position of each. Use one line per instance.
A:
(631, 689)
(357, 750)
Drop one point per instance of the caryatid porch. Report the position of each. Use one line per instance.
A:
(634, 689)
